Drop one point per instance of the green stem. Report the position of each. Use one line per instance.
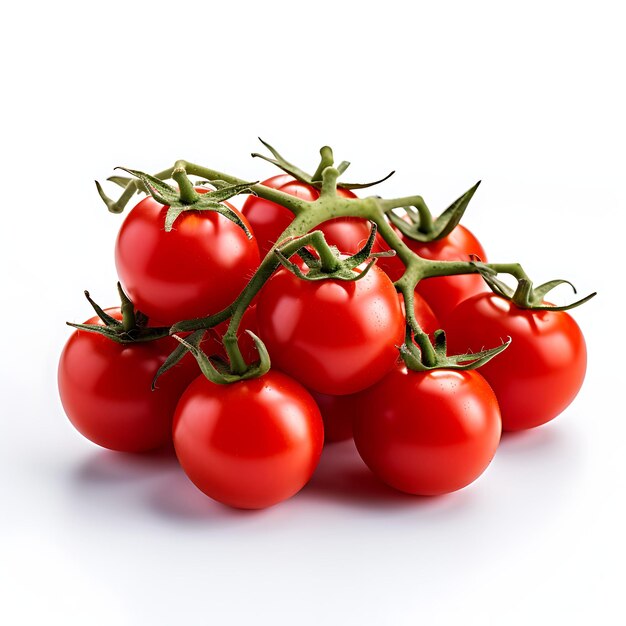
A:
(513, 269)
(188, 195)
(327, 161)
(399, 203)
(429, 358)
(426, 224)
(329, 182)
(294, 204)
(299, 227)
(430, 269)
(327, 257)
(309, 215)
(375, 213)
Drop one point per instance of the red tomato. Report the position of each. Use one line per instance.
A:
(335, 337)
(105, 388)
(445, 292)
(269, 219)
(197, 269)
(427, 433)
(337, 413)
(250, 444)
(540, 373)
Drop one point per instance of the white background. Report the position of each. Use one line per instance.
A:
(529, 97)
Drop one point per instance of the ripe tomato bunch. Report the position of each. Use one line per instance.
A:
(247, 338)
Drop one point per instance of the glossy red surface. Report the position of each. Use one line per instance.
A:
(197, 269)
(335, 337)
(105, 388)
(427, 433)
(542, 370)
(250, 444)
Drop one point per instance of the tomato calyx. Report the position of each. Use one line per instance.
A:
(315, 180)
(185, 198)
(216, 369)
(133, 328)
(421, 226)
(418, 359)
(329, 262)
(525, 296)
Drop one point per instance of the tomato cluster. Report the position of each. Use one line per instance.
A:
(336, 371)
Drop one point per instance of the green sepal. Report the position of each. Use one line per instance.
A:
(315, 179)
(343, 268)
(210, 201)
(216, 370)
(114, 206)
(217, 183)
(122, 181)
(343, 166)
(524, 295)
(282, 163)
(107, 319)
(412, 356)
(157, 188)
(366, 185)
(438, 228)
(177, 354)
(130, 336)
(132, 329)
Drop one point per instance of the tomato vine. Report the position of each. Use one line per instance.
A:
(418, 351)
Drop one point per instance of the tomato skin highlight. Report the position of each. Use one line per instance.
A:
(250, 444)
(540, 373)
(197, 269)
(105, 389)
(427, 433)
(335, 337)
(443, 293)
(269, 220)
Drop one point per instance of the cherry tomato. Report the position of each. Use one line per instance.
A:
(335, 337)
(445, 292)
(427, 433)
(337, 413)
(540, 373)
(250, 444)
(269, 219)
(105, 388)
(197, 269)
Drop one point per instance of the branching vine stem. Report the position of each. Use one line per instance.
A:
(307, 216)
(295, 205)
